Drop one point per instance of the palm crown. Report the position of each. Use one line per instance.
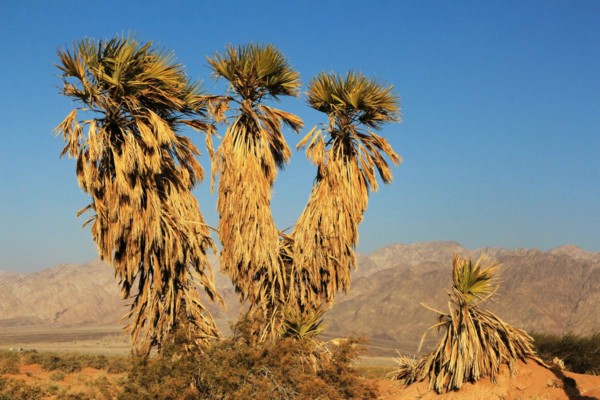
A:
(256, 71)
(352, 104)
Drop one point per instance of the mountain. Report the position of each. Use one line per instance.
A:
(556, 291)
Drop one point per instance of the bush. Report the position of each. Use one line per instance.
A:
(9, 362)
(16, 389)
(233, 369)
(69, 363)
(580, 354)
(57, 376)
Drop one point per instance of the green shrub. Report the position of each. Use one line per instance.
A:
(580, 354)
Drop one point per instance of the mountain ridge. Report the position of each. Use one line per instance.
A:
(556, 291)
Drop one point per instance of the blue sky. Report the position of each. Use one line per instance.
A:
(500, 100)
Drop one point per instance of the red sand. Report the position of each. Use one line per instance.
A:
(530, 382)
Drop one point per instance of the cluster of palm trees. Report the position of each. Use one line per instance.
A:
(139, 170)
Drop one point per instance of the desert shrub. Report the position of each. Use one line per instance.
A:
(69, 363)
(580, 354)
(9, 362)
(161, 379)
(53, 389)
(117, 364)
(104, 388)
(233, 369)
(57, 376)
(16, 389)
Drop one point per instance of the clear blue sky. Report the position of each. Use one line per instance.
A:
(501, 106)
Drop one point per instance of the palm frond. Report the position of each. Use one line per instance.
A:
(353, 99)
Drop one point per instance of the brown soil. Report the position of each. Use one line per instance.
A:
(529, 382)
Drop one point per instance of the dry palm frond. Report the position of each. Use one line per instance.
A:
(475, 342)
(346, 156)
(247, 160)
(139, 173)
(408, 368)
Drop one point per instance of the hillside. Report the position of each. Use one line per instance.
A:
(555, 291)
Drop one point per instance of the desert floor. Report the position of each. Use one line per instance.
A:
(529, 382)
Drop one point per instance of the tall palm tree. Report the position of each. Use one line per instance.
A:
(475, 343)
(247, 160)
(346, 155)
(139, 172)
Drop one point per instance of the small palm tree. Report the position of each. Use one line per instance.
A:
(247, 160)
(303, 324)
(475, 343)
(139, 173)
(346, 155)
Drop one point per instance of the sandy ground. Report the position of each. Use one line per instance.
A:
(97, 340)
(529, 382)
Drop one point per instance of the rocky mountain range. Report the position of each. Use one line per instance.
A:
(557, 291)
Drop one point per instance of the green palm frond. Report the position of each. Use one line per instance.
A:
(303, 324)
(474, 282)
(256, 71)
(139, 173)
(353, 99)
(356, 105)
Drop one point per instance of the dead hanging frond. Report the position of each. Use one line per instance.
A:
(347, 153)
(246, 162)
(475, 343)
(139, 173)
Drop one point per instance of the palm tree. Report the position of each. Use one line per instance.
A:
(346, 155)
(475, 343)
(139, 172)
(247, 160)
